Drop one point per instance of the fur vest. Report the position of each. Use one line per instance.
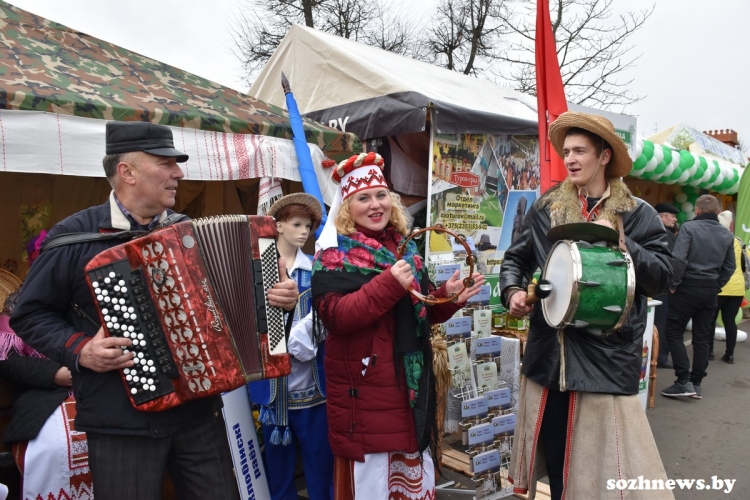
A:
(565, 205)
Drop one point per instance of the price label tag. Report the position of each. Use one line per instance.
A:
(487, 461)
(499, 397)
(473, 407)
(482, 433)
(504, 424)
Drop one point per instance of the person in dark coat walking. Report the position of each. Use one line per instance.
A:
(667, 213)
(703, 263)
(129, 450)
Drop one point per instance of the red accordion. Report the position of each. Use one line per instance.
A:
(192, 298)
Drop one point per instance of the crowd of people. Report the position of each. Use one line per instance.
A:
(374, 434)
(707, 281)
(360, 400)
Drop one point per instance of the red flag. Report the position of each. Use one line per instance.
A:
(550, 97)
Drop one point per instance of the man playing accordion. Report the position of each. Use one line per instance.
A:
(129, 450)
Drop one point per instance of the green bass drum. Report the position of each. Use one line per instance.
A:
(592, 286)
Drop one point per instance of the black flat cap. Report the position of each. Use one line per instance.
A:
(666, 208)
(126, 137)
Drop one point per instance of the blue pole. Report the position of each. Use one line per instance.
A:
(306, 170)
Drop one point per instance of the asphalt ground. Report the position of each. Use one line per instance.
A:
(699, 439)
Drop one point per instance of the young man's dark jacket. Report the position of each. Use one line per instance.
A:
(44, 319)
(609, 364)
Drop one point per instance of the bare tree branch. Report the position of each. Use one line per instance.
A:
(262, 24)
(464, 34)
(591, 45)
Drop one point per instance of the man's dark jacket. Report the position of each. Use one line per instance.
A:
(605, 364)
(44, 319)
(703, 254)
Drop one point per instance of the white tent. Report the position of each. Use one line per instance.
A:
(373, 93)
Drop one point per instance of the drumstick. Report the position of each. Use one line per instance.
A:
(538, 291)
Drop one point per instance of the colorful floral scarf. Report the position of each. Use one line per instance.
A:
(354, 262)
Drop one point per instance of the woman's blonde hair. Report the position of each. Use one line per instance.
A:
(400, 218)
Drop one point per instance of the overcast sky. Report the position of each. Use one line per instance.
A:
(694, 67)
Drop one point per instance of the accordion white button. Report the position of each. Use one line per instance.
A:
(117, 307)
(111, 275)
(140, 355)
(121, 282)
(150, 362)
(152, 369)
(131, 310)
(127, 371)
(128, 377)
(122, 301)
(136, 360)
(123, 289)
(133, 391)
(127, 335)
(152, 387)
(100, 298)
(105, 311)
(131, 328)
(107, 281)
(150, 381)
(145, 387)
(135, 379)
(140, 336)
(117, 288)
(95, 284)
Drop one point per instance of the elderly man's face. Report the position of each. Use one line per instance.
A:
(156, 179)
(668, 219)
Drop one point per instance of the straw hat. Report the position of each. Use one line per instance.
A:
(8, 284)
(297, 199)
(620, 165)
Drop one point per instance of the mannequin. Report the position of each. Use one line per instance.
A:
(293, 408)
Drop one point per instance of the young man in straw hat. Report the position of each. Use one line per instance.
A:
(580, 420)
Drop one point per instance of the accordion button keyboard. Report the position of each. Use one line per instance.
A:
(117, 288)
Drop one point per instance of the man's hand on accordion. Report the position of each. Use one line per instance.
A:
(283, 294)
(103, 354)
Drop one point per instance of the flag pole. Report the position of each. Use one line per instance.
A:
(550, 95)
(306, 170)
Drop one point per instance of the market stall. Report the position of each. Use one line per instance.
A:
(679, 164)
(462, 152)
(58, 87)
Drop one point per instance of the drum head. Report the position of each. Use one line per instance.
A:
(583, 231)
(562, 270)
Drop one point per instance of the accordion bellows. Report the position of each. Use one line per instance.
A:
(192, 298)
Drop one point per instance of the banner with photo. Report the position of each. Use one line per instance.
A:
(481, 187)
